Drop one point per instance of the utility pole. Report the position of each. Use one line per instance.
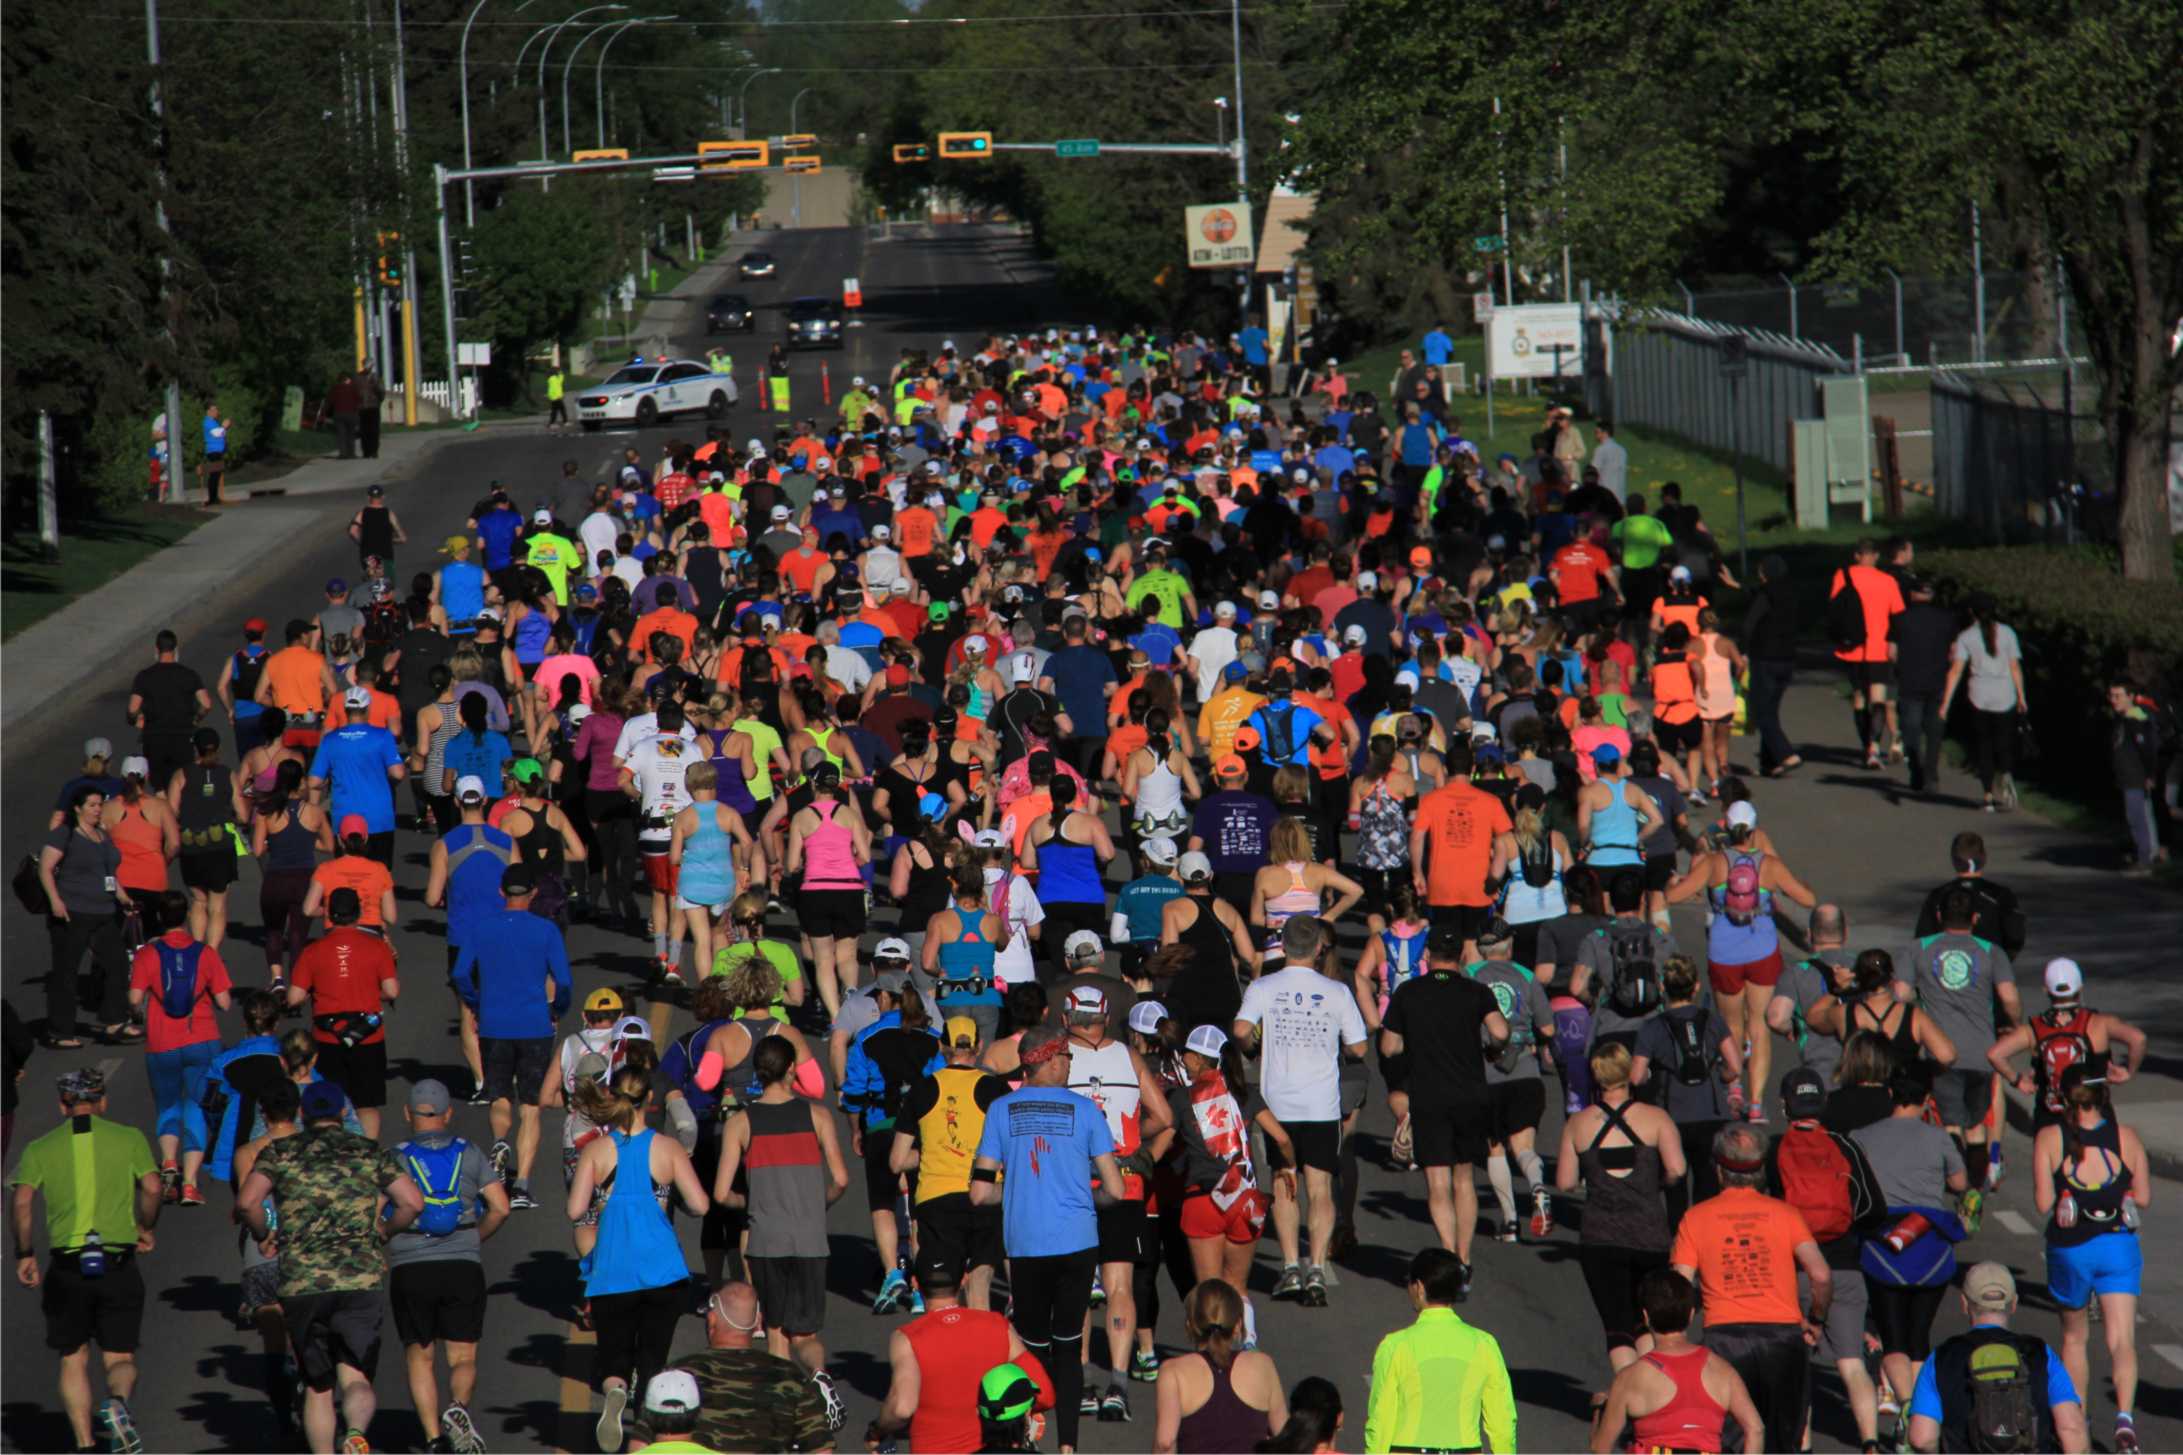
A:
(1508, 272)
(1243, 148)
(409, 249)
(171, 486)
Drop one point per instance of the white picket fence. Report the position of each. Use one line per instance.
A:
(436, 391)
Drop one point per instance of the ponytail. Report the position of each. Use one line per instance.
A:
(616, 1103)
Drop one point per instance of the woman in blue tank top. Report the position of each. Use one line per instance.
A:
(1066, 849)
(961, 943)
(703, 848)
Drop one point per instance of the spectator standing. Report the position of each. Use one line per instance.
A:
(370, 395)
(1611, 460)
(213, 469)
(2133, 753)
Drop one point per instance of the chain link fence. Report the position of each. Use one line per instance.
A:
(1988, 318)
(2019, 462)
(1672, 373)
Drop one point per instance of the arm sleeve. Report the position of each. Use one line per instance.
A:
(2061, 1389)
(1497, 1402)
(1029, 1364)
(1387, 1398)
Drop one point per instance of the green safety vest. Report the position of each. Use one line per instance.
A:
(720, 363)
(779, 384)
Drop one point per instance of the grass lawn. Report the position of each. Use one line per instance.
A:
(93, 552)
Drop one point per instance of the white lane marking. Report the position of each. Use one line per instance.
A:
(2173, 1353)
(2014, 1221)
(110, 1067)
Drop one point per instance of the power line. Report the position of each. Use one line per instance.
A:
(756, 26)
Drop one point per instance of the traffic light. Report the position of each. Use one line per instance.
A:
(800, 164)
(799, 139)
(734, 156)
(607, 154)
(913, 152)
(390, 258)
(966, 145)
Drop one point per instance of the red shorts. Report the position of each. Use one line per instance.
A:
(1731, 979)
(1242, 1224)
(661, 873)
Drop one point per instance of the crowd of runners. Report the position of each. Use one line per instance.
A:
(1057, 793)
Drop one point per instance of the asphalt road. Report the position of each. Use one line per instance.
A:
(199, 1388)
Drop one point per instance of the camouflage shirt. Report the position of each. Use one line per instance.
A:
(753, 1401)
(328, 1181)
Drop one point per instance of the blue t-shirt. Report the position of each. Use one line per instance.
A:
(1301, 721)
(1081, 675)
(473, 879)
(1157, 641)
(497, 529)
(354, 761)
(502, 971)
(1336, 460)
(1925, 1397)
(1045, 1138)
(462, 590)
(1254, 342)
(1439, 348)
(215, 436)
(479, 755)
(1140, 903)
(1237, 828)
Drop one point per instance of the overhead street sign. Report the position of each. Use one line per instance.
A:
(1219, 235)
(1488, 243)
(1085, 147)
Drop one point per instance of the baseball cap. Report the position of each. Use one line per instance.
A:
(990, 839)
(1023, 667)
(672, 1392)
(338, 586)
(1354, 636)
(2064, 979)
(353, 825)
(527, 770)
(882, 532)
(136, 767)
(962, 1031)
(1230, 766)
(938, 611)
(1606, 755)
(1083, 945)
(98, 748)
(1145, 1017)
(1269, 601)
(1087, 999)
(974, 646)
(1804, 1092)
(901, 586)
(470, 788)
(1194, 866)
(1224, 609)
(517, 879)
(1158, 850)
(430, 1097)
(1679, 573)
(1368, 581)
(541, 516)
(1234, 672)
(604, 999)
(1206, 1041)
(891, 949)
(1006, 1394)
(1421, 557)
(780, 512)
(323, 1101)
(1989, 1286)
(454, 543)
(633, 1028)
(358, 695)
(1743, 815)
(255, 625)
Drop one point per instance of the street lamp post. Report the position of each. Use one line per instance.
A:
(462, 67)
(795, 187)
(598, 100)
(545, 139)
(1220, 120)
(568, 143)
(742, 97)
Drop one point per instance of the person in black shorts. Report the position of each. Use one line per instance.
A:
(1446, 1022)
(936, 1137)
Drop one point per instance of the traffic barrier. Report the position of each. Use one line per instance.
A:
(826, 384)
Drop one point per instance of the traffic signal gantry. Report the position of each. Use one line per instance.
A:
(979, 146)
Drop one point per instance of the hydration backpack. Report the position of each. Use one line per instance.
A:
(1280, 744)
(1634, 986)
(1740, 895)
(2060, 1043)
(178, 978)
(2004, 1413)
(1846, 615)
(1816, 1180)
(1537, 862)
(1693, 1058)
(437, 1172)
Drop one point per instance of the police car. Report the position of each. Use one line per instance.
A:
(643, 393)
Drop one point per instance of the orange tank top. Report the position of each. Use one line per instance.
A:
(143, 851)
(1674, 694)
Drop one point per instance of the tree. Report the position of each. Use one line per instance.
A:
(541, 258)
(2067, 109)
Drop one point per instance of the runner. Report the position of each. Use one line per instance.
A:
(1679, 1395)
(504, 975)
(1959, 979)
(936, 1137)
(348, 977)
(2067, 1033)
(1515, 1084)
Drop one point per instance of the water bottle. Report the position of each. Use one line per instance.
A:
(2130, 1213)
(91, 1257)
(1913, 1227)
(2065, 1210)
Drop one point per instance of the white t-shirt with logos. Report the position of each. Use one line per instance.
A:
(1304, 1020)
(659, 766)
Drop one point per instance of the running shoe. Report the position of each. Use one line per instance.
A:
(894, 1291)
(1972, 1209)
(170, 1183)
(354, 1443)
(479, 1096)
(1736, 1103)
(1088, 1402)
(1506, 1233)
(460, 1431)
(1756, 1115)
(1099, 1290)
(519, 1197)
(189, 1196)
(1314, 1294)
(1542, 1214)
(917, 1301)
(2126, 1435)
(1462, 1293)
(1994, 1167)
(1114, 1409)
(1144, 1366)
(1290, 1283)
(1890, 1405)
(609, 1429)
(120, 1426)
(837, 1413)
(502, 1157)
(1895, 750)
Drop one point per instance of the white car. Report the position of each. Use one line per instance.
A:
(646, 393)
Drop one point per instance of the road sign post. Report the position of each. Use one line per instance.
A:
(1084, 147)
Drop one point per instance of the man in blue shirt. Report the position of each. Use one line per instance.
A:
(1285, 728)
(361, 763)
(1137, 909)
(1942, 1413)
(1042, 1144)
(497, 526)
(1254, 341)
(1082, 676)
(215, 466)
(501, 975)
(461, 587)
(466, 864)
(1439, 347)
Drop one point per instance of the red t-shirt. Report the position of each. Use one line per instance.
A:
(954, 1348)
(1882, 600)
(342, 972)
(1577, 570)
(163, 1032)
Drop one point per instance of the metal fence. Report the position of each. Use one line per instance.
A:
(2013, 461)
(1975, 318)
(1668, 375)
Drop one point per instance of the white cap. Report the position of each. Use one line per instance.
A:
(1679, 573)
(1086, 1000)
(1354, 635)
(974, 646)
(469, 785)
(632, 1028)
(1269, 601)
(857, 382)
(891, 949)
(1160, 850)
(1299, 474)
(136, 767)
(1207, 1041)
(1023, 667)
(358, 695)
(541, 516)
(781, 512)
(901, 586)
(2064, 979)
(98, 748)
(1407, 678)
(1743, 815)
(881, 532)
(1145, 1017)
(673, 1392)
(1484, 732)
(1224, 610)
(1367, 581)
(990, 839)
(577, 712)
(754, 447)
(1084, 945)
(1194, 865)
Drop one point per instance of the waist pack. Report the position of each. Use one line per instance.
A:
(349, 1028)
(1928, 1262)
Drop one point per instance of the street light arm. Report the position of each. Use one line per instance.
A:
(598, 73)
(742, 98)
(556, 30)
(462, 69)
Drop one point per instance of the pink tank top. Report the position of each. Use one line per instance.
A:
(829, 852)
(1716, 684)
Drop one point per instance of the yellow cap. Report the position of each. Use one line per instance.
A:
(453, 544)
(602, 999)
(961, 1031)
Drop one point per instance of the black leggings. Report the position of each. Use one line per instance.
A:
(1051, 1295)
(614, 818)
(280, 905)
(1993, 745)
(1173, 1253)
(1610, 1276)
(99, 935)
(636, 1331)
(1703, 1180)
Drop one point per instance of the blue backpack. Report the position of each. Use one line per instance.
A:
(178, 978)
(438, 1174)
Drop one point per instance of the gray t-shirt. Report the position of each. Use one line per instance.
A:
(341, 621)
(1597, 953)
(1987, 679)
(1954, 976)
(1658, 1042)
(1524, 1006)
(471, 1174)
(859, 1009)
(1802, 985)
(1912, 1159)
(85, 866)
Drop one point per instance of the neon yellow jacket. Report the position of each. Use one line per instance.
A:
(1438, 1385)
